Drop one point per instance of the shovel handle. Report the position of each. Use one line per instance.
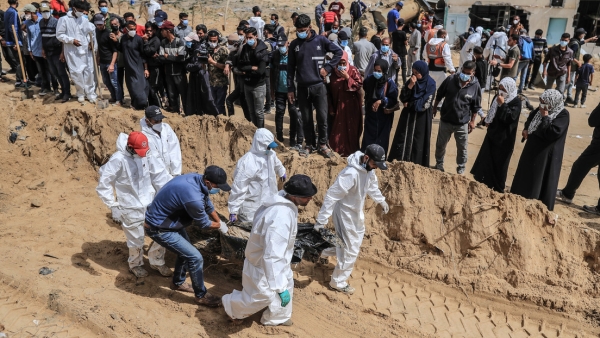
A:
(19, 51)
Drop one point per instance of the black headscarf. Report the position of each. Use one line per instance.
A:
(382, 80)
(425, 87)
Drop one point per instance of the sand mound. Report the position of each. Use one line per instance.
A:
(441, 226)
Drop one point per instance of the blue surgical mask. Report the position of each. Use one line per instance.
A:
(563, 43)
(214, 191)
(464, 77)
(184, 22)
(85, 17)
(302, 35)
(103, 10)
(272, 22)
(342, 68)
(334, 31)
(188, 44)
(419, 25)
(251, 42)
(385, 49)
(283, 50)
(344, 43)
(159, 23)
(377, 75)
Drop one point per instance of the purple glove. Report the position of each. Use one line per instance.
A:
(232, 218)
(283, 178)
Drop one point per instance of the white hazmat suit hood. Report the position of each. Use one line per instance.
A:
(165, 146)
(474, 40)
(255, 177)
(345, 201)
(267, 271)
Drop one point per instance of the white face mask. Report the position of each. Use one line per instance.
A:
(213, 44)
(77, 14)
(131, 33)
(516, 22)
(46, 15)
(27, 16)
(157, 127)
(231, 47)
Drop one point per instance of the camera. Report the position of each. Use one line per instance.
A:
(203, 52)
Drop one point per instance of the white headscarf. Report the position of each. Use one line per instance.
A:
(554, 100)
(511, 88)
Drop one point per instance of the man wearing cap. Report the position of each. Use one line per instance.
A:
(52, 50)
(183, 29)
(135, 175)
(345, 201)
(107, 58)
(343, 40)
(257, 22)
(183, 202)
(393, 16)
(73, 30)
(267, 278)
(575, 44)
(255, 177)
(162, 140)
(160, 16)
(172, 54)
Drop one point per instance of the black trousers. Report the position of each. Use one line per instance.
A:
(309, 97)
(44, 71)
(58, 69)
(581, 167)
(268, 103)
(10, 56)
(121, 80)
(403, 60)
(296, 131)
(238, 94)
(583, 90)
(176, 88)
(156, 86)
(534, 71)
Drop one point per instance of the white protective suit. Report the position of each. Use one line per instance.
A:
(439, 76)
(497, 45)
(153, 6)
(474, 40)
(79, 59)
(165, 146)
(255, 177)
(258, 23)
(267, 271)
(135, 180)
(345, 201)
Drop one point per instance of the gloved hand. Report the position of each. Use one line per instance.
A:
(283, 178)
(285, 298)
(385, 206)
(223, 228)
(319, 226)
(232, 218)
(116, 214)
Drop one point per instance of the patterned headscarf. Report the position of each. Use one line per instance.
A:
(554, 100)
(511, 88)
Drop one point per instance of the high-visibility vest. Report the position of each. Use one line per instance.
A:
(432, 34)
(434, 52)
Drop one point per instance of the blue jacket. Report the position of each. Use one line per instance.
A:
(34, 37)
(307, 56)
(11, 17)
(180, 203)
(526, 48)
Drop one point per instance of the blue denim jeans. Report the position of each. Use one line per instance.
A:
(189, 258)
(110, 81)
(522, 69)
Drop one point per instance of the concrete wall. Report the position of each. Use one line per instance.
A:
(540, 11)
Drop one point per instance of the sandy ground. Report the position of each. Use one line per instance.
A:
(411, 281)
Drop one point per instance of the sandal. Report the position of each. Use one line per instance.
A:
(304, 152)
(326, 152)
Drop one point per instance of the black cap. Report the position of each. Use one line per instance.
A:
(281, 40)
(343, 35)
(580, 31)
(377, 154)
(153, 112)
(300, 185)
(217, 176)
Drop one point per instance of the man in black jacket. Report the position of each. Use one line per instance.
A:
(52, 51)
(307, 65)
(582, 166)
(172, 55)
(107, 58)
(253, 65)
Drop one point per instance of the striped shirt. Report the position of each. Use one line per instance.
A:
(48, 30)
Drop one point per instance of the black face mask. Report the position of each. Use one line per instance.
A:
(114, 28)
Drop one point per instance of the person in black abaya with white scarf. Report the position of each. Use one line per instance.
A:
(502, 120)
(539, 166)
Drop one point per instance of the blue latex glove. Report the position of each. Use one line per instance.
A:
(283, 178)
(285, 298)
(232, 218)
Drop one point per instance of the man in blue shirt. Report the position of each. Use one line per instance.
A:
(393, 16)
(182, 202)
(34, 40)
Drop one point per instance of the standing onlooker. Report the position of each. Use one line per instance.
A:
(338, 8)
(183, 29)
(427, 22)
(393, 16)
(575, 44)
(307, 65)
(172, 54)
(200, 99)
(216, 67)
(34, 39)
(515, 26)
(271, 42)
(399, 43)
(414, 45)
(345, 115)
(491, 165)
(385, 53)
(278, 29)
(582, 166)
(11, 17)
(462, 100)
(585, 76)
(103, 7)
(52, 51)
(136, 69)
(376, 38)
(481, 74)
(253, 65)
(540, 163)
(437, 54)
(235, 49)
(342, 42)
(320, 9)
(107, 58)
(557, 64)
(73, 31)
(362, 50)
(357, 9)
(116, 35)
(156, 69)
(526, 54)
(153, 6)
(511, 63)
(335, 28)
(139, 29)
(279, 90)
(59, 8)
(328, 19)
(257, 22)
(540, 49)
(381, 94)
(474, 40)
